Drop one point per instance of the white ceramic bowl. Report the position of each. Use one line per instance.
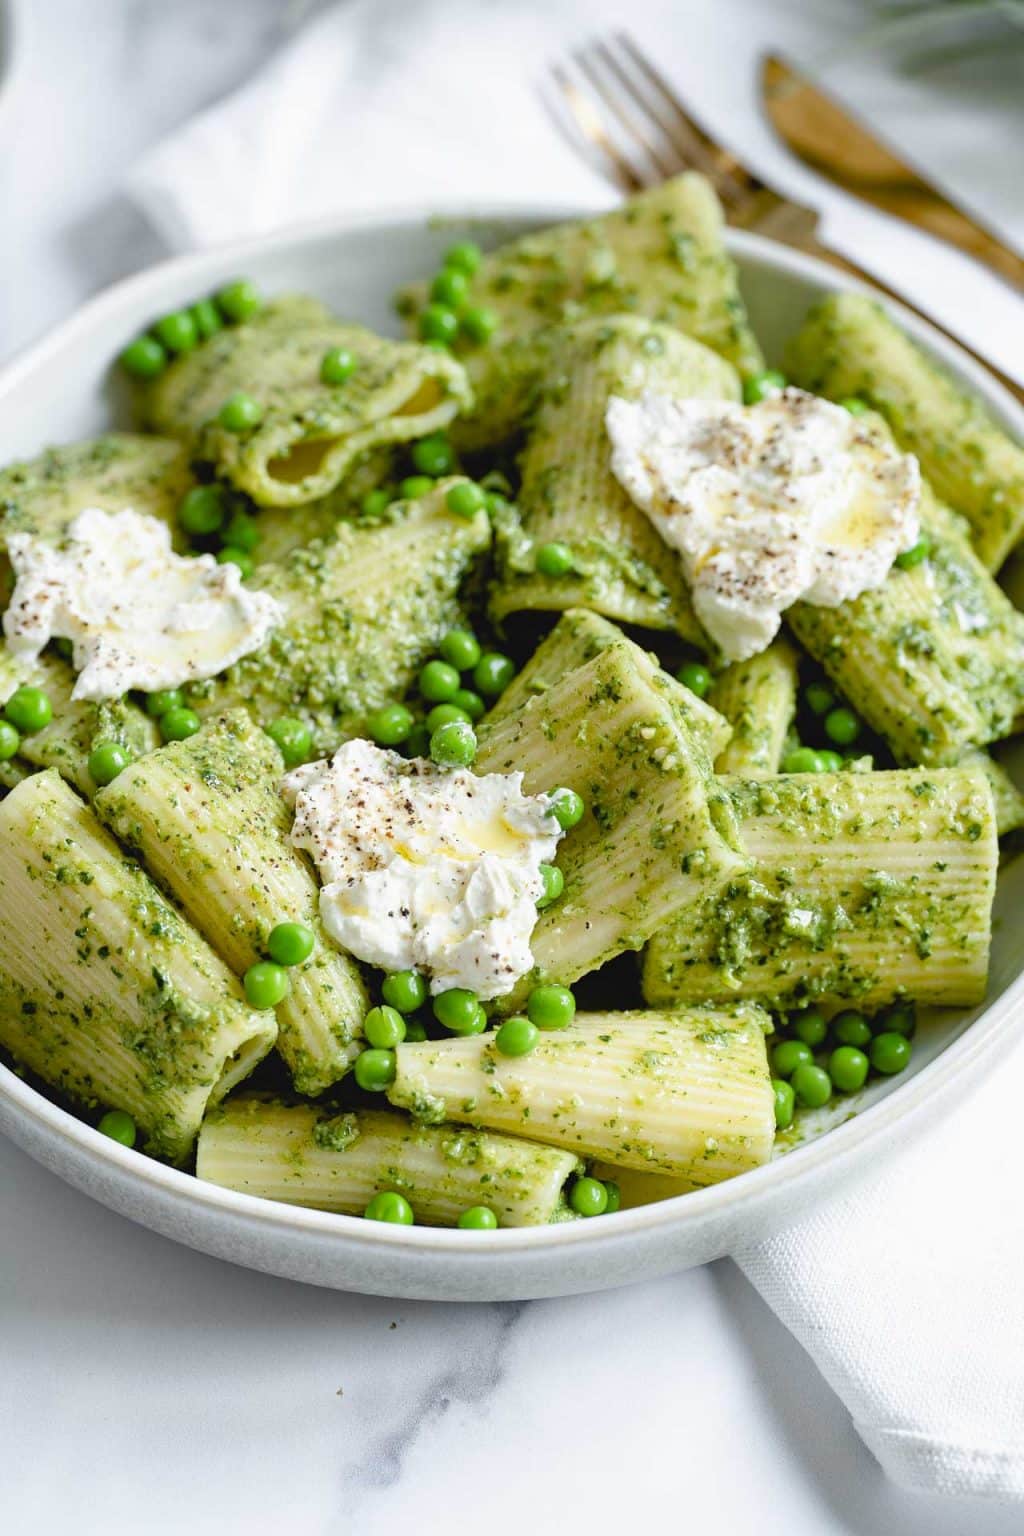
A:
(62, 390)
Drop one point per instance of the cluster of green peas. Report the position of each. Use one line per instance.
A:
(447, 732)
(27, 711)
(587, 1197)
(449, 316)
(183, 329)
(840, 724)
(207, 512)
(814, 1059)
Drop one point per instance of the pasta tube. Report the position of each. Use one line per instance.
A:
(758, 698)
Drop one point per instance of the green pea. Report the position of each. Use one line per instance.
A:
(444, 714)
(851, 1028)
(801, 760)
(375, 502)
(479, 1218)
(479, 323)
(404, 990)
(242, 532)
(28, 709)
(119, 1126)
(696, 677)
(811, 1085)
(788, 1055)
(337, 366)
(853, 405)
(390, 1206)
(457, 1009)
(819, 698)
(493, 673)
(414, 1031)
(438, 323)
(554, 884)
(450, 287)
(465, 256)
(809, 1026)
(762, 386)
(469, 702)
(415, 486)
(915, 554)
(588, 1197)
(106, 760)
(10, 741)
(848, 1068)
(390, 725)
(240, 412)
(496, 503)
(842, 726)
(901, 1019)
(829, 762)
(179, 724)
(201, 510)
(785, 1103)
(614, 1194)
(433, 455)
(438, 680)
(239, 300)
(206, 319)
(567, 807)
(554, 559)
(230, 555)
(465, 499)
(374, 1070)
(453, 745)
(162, 700)
(550, 1006)
(517, 1036)
(177, 331)
(890, 1052)
(461, 649)
(293, 739)
(384, 1028)
(266, 984)
(144, 357)
(290, 943)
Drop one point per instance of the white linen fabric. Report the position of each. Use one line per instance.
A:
(905, 1290)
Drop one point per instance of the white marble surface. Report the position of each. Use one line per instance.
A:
(142, 1381)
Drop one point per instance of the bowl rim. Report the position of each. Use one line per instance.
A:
(980, 1041)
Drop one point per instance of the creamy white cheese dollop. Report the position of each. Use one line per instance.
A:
(138, 615)
(425, 868)
(791, 498)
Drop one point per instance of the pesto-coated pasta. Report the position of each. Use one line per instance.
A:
(568, 495)
(206, 817)
(309, 434)
(684, 1093)
(850, 346)
(106, 992)
(758, 698)
(338, 1161)
(866, 887)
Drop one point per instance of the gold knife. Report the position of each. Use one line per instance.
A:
(826, 136)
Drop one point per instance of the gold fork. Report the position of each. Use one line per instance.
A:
(634, 130)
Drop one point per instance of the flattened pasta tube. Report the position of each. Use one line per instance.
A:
(206, 817)
(656, 831)
(307, 435)
(867, 887)
(106, 992)
(850, 346)
(685, 1093)
(758, 698)
(363, 610)
(621, 567)
(338, 1162)
(577, 638)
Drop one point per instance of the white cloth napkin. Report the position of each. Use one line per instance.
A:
(905, 1291)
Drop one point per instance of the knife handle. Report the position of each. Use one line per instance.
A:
(814, 247)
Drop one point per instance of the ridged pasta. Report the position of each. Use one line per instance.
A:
(106, 992)
(684, 1093)
(338, 1161)
(209, 823)
(758, 698)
